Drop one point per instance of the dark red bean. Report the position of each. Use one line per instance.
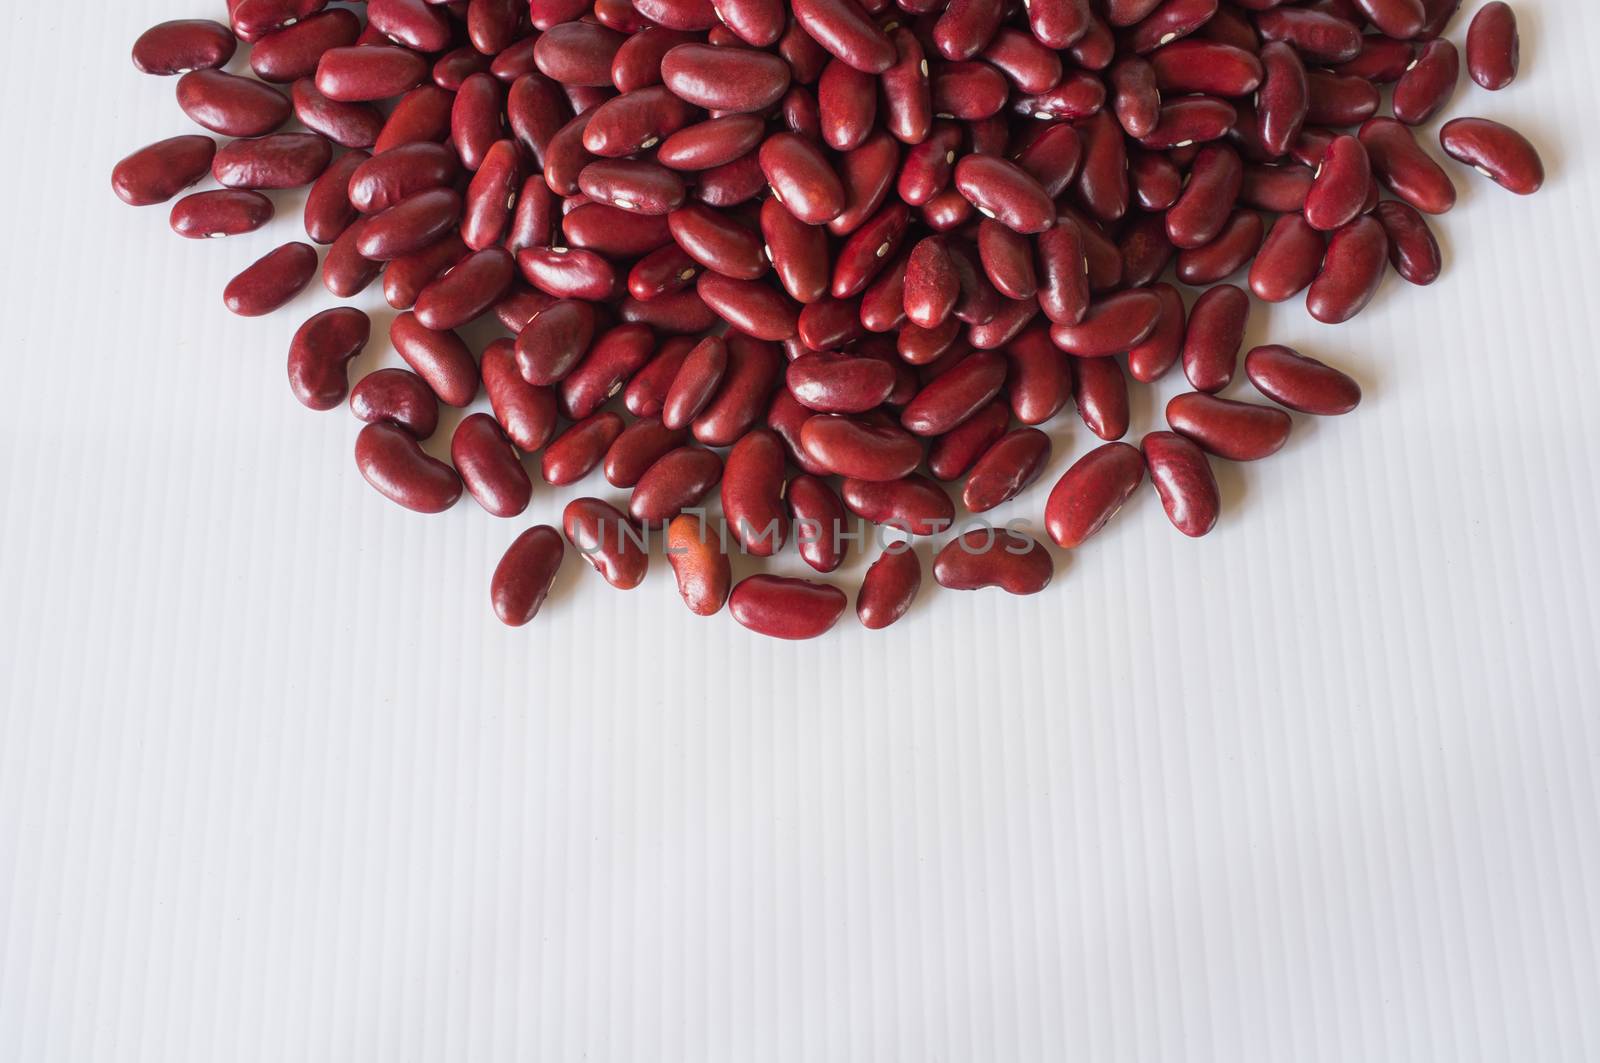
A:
(955, 452)
(889, 587)
(913, 504)
(847, 447)
(1190, 120)
(1183, 479)
(725, 79)
(1340, 186)
(1151, 358)
(466, 290)
(574, 453)
(281, 160)
(1207, 200)
(320, 352)
(345, 271)
(1005, 469)
(1091, 492)
(1005, 192)
(846, 32)
(271, 281)
(228, 212)
(711, 144)
(568, 272)
(699, 374)
(1064, 285)
(383, 181)
(181, 46)
(352, 125)
(784, 608)
(801, 177)
(1318, 36)
(405, 278)
(1351, 272)
(640, 446)
(371, 72)
(752, 307)
(293, 52)
(1428, 83)
(523, 578)
(675, 482)
(1497, 151)
(230, 105)
(1216, 329)
(328, 211)
(634, 186)
(753, 370)
(1493, 47)
(1290, 379)
(839, 383)
(1289, 259)
(607, 541)
(439, 357)
(699, 564)
(616, 355)
(717, 242)
(1239, 240)
(956, 395)
(253, 19)
(1238, 431)
(525, 411)
(1113, 324)
(397, 396)
(1038, 379)
(1009, 560)
(1101, 392)
(157, 173)
(410, 225)
(1401, 165)
(393, 462)
(1284, 99)
(633, 122)
(1413, 250)
(422, 114)
(490, 468)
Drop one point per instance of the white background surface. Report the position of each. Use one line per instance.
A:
(274, 785)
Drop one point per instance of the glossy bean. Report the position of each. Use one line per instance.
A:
(1290, 379)
(1009, 560)
(913, 504)
(1184, 482)
(574, 453)
(438, 356)
(489, 467)
(1413, 250)
(399, 397)
(1497, 151)
(320, 353)
(1005, 469)
(1289, 259)
(157, 173)
(1113, 324)
(1493, 46)
(525, 574)
(180, 46)
(676, 481)
(393, 462)
(785, 608)
(271, 281)
(1238, 431)
(1091, 492)
(1351, 272)
(889, 587)
(1216, 329)
(607, 541)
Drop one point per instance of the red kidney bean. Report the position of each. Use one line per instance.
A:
(753, 492)
(784, 608)
(577, 53)
(1239, 240)
(1493, 47)
(1216, 329)
(607, 541)
(292, 53)
(230, 105)
(1290, 379)
(371, 72)
(847, 447)
(439, 357)
(466, 290)
(1413, 251)
(913, 504)
(1279, 188)
(616, 355)
(1428, 83)
(725, 79)
(801, 177)
(1101, 392)
(699, 373)
(1005, 192)
(1382, 60)
(710, 144)
(955, 452)
(1145, 249)
(412, 224)
(1208, 197)
(328, 211)
(352, 125)
(574, 453)
(1184, 481)
(515, 310)
(1208, 67)
(717, 242)
(157, 173)
(346, 272)
(1038, 379)
(749, 306)
(489, 467)
(676, 481)
(253, 19)
(568, 273)
(523, 578)
(1151, 358)
(1285, 97)
(676, 312)
(840, 383)
(184, 45)
(422, 114)
(320, 352)
(1136, 99)
(819, 519)
(383, 181)
(228, 212)
(452, 69)
(919, 346)
(932, 285)
(1289, 259)
(1318, 36)
(633, 122)
(281, 160)
(1497, 151)
(413, 23)
(1154, 179)
(956, 395)
(1005, 469)
(1112, 324)
(272, 280)
(1238, 431)
(477, 118)
(393, 462)
(752, 371)
(1190, 120)
(1351, 272)
(889, 587)
(396, 396)
(1340, 186)
(405, 278)
(1404, 168)
(1091, 492)
(640, 446)
(614, 233)
(1064, 289)
(699, 565)
(1009, 560)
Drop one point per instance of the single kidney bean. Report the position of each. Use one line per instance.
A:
(646, 393)
(640, 446)
(399, 397)
(919, 346)
(676, 313)
(523, 578)
(439, 357)
(955, 452)
(840, 383)
(1112, 324)
(784, 608)
(369, 72)
(956, 395)
(536, 113)
(725, 79)
(184, 45)
(846, 32)
(1190, 120)
(1038, 379)
(1493, 47)
(801, 177)
(1318, 36)
(753, 370)
(931, 285)
(1239, 240)
(676, 481)
(712, 143)
(1059, 23)
(1404, 168)
(466, 290)
(1284, 98)
(847, 447)
(1428, 83)
(717, 242)
(281, 160)
(1007, 261)
(1207, 199)
(516, 309)
(616, 355)
(631, 123)
(382, 181)
(1091, 492)
(753, 492)
(1135, 99)
(1382, 60)
(604, 538)
(422, 114)
(758, 23)
(869, 249)
(614, 233)
(1154, 179)
(819, 519)
(346, 272)
(554, 341)
(1145, 249)
(666, 269)
(293, 52)
(490, 467)
(695, 382)
(799, 252)
(1151, 358)
(352, 125)
(328, 211)
(1290, 379)
(405, 278)
(1101, 392)
(1183, 479)
(1005, 469)
(1497, 151)
(573, 454)
(271, 281)
(414, 23)
(786, 416)
(1340, 186)
(1413, 251)
(1278, 188)
(577, 53)
(699, 565)
(1064, 289)
(1289, 259)
(568, 272)
(1103, 177)
(230, 105)
(889, 587)
(1400, 19)
(1238, 431)
(1216, 329)
(393, 462)
(847, 103)
(321, 350)
(1208, 67)
(254, 19)
(157, 173)
(227, 212)
(1009, 560)
(1351, 272)
(1005, 192)
(752, 307)
(452, 69)
(914, 504)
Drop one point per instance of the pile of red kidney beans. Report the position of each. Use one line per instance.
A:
(731, 237)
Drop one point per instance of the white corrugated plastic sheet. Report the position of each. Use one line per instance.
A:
(275, 785)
